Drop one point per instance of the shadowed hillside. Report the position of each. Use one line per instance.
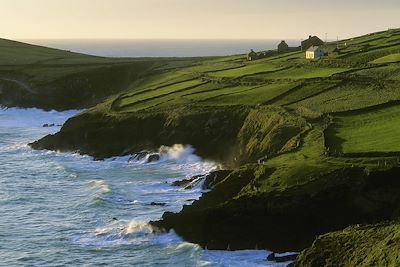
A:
(35, 76)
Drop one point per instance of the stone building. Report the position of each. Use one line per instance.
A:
(311, 41)
(252, 55)
(283, 47)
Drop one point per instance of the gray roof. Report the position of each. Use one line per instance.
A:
(313, 48)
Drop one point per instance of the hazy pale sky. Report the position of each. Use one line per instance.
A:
(237, 19)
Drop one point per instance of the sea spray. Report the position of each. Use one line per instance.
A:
(100, 184)
(122, 229)
(179, 153)
(135, 227)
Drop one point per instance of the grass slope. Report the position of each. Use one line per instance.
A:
(55, 79)
(368, 132)
(376, 245)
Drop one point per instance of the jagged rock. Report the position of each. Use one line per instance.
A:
(153, 158)
(284, 258)
(139, 156)
(210, 180)
(186, 182)
(162, 204)
(214, 178)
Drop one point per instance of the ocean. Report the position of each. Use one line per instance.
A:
(64, 209)
(160, 47)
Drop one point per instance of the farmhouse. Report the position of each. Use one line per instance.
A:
(311, 41)
(314, 52)
(252, 55)
(283, 47)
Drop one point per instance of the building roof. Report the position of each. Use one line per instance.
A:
(312, 40)
(252, 53)
(313, 48)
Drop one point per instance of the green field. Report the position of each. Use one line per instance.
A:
(247, 70)
(163, 91)
(303, 73)
(254, 96)
(352, 97)
(393, 58)
(375, 131)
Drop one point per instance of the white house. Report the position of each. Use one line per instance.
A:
(314, 52)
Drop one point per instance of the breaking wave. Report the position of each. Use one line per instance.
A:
(101, 185)
(179, 154)
(121, 229)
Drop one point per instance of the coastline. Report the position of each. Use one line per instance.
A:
(324, 201)
(310, 147)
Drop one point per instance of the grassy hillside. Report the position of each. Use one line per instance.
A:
(312, 145)
(364, 74)
(353, 247)
(35, 76)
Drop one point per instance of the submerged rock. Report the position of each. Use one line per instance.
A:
(161, 204)
(210, 180)
(138, 156)
(153, 158)
(284, 258)
(185, 183)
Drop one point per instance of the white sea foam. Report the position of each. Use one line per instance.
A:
(134, 227)
(121, 231)
(179, 154)
(100, 184)
(14, 147)
(177, 157)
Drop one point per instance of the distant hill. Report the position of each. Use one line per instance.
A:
(36, 76)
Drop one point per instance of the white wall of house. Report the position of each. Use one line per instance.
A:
(317, 53)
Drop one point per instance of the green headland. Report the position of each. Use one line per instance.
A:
(311, 148)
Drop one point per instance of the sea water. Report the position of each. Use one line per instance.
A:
(161, 47)
(64, 209)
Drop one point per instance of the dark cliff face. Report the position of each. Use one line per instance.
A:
(288, 220)
(83, 89)
(233, 135)
(211, 132)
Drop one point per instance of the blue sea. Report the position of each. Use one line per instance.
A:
(160, 47)
(64, 209)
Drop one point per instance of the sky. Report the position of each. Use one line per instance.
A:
(194, 19)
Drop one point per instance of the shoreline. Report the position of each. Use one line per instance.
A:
(311, 145)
